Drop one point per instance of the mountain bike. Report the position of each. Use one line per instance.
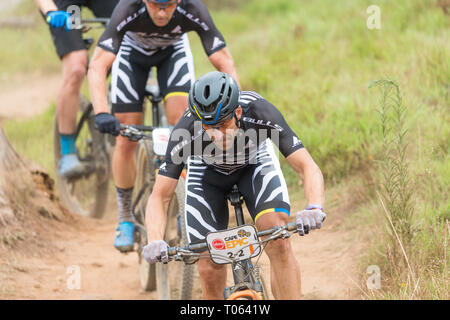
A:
(87, 193)
(174, 281)
(236, 246)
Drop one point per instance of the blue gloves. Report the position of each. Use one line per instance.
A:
(59, 19)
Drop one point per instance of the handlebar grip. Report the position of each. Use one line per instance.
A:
(140, 128)
(172, 251)
(292, 226)
(144, 128)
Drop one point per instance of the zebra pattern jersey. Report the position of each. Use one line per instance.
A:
(132, 25)
(260, 121)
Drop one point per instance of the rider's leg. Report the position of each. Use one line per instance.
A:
(67, 104)
(175, 105)
(267, 199)
(124, 166)
(284, 269)
(175, 77)
(124, 173)
(213, 278)
(128, 78)
(74, 71)
(71, 49)
(206, 210)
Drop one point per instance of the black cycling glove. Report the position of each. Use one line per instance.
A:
(107, 123)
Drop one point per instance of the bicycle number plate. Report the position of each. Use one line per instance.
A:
(160, 140)
(232, 245)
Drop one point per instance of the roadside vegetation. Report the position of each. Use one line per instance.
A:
(317, 62)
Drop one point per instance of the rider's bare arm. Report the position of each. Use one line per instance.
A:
(46, 5)
(223, 61)
(302, 162)
(98, 70)
(157, 206)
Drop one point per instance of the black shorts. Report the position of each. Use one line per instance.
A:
(262, 185)
(68, 41)
(129, 74)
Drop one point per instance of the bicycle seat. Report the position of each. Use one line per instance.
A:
(153, 92)
(235, 196)
(88, 42)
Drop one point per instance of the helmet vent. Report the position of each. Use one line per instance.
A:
(207, 92)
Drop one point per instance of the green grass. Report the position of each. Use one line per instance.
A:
(314, 61)
(33, 138)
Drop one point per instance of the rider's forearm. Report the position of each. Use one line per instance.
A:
(97, 74)
(314, 185)
(46, 6)
(223, 62)
(302, 162)
(156, 217)
(97, 89)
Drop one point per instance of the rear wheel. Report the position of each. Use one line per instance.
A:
(88, 194)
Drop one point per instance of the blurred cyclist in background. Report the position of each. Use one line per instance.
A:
(71, 49)
(141, 35)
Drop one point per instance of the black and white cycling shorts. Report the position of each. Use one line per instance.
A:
(262, 184)
(175, 74)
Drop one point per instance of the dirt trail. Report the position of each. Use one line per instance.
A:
(85, 250)
(24, 96)
(327, 258)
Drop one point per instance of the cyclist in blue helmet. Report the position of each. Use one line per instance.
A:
(225, 138)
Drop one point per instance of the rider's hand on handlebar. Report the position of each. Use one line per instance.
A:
(59, 19)
(156, 251)
(309, 220)
(107, 123)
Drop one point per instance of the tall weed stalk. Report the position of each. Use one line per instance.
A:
(396, 184)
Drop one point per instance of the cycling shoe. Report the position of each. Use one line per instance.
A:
(124, 241)
(70, 166)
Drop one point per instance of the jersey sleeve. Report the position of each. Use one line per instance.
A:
(279, 131)
(212, 40)
(114, 32)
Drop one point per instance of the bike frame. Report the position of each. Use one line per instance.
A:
(245, 283)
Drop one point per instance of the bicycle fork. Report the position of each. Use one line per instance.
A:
(246, 286)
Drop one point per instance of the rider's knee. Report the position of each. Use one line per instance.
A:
(175, 107)
(75, 74)
(279, 249)
(74, 66)
(124, 146)
(173, 117)
(208, 270)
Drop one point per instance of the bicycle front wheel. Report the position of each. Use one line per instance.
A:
(175, 279)
(87, 194)
(145, 179)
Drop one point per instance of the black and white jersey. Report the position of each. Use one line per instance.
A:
(131, 24)
(259, 122)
